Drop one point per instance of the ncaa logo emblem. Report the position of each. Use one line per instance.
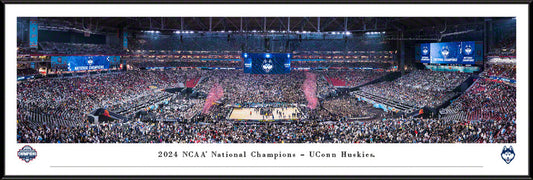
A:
(90, 61)
(468, 50)
(267, 65)
(445, 51)
(425, 50)
(508, 154)
(27, 153)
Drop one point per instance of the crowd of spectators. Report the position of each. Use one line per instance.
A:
(239, 64)
(79, 95)
(324, 88)
(399, 130)
(25, 50)
(432, 80)
(241, 88)
(485, 100)
(27, 72)
(186, 63)
(500, 70)
(353, 78)
(129, 107)
(349, 107)
(77, 48)
(419, 88)
(327, 64)
(490, 105)
(179, 108)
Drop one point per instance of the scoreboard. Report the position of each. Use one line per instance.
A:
(467, 52)
(82, 63)
(267, 63)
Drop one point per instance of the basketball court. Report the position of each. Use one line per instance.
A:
(254, 114)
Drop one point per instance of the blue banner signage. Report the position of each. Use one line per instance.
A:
(34, 33)
(83, 63)
(125, 40)
(424, 53)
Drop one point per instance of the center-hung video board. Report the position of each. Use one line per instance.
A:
(267, 63)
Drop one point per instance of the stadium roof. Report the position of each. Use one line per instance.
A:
(235, 24)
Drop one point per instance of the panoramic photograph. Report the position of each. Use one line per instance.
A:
(266, 80)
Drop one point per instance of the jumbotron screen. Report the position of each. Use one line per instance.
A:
(267, 63)
(82, 63)
(467, 52)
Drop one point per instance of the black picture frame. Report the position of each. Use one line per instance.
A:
(5, 2)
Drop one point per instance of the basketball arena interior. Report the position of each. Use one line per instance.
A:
(266, 80)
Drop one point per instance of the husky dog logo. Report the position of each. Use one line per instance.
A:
(508, 154)
(90, 61)
(27, 153)
(425, 50)
(468, 49)
(267, 65)
(445, 51)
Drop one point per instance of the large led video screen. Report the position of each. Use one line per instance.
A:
(82, 63)
(267, 63)
(467, 52)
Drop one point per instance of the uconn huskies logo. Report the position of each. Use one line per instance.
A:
(507, 154)
(267, 65)
(425, 50)
(445, 51)
(90, 61)
(27, 153)
(468, 50)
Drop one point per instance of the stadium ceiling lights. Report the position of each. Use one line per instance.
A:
(151, 31)
(373, 33)
(339, 33)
